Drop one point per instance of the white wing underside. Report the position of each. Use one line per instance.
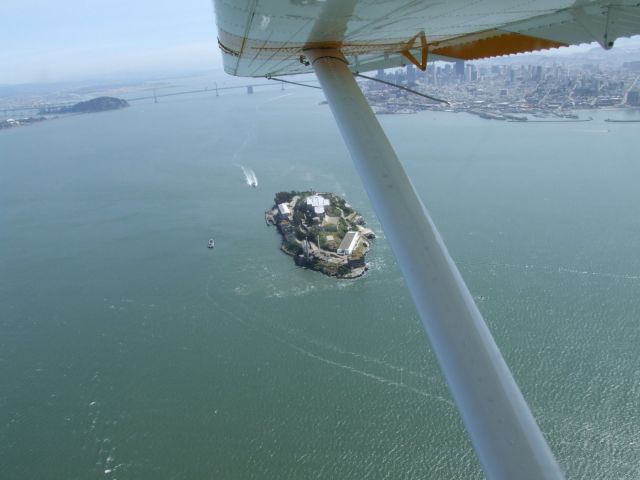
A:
(267, 37)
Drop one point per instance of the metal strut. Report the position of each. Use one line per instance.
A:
(269, 77)
(503, 431)
(435, 99)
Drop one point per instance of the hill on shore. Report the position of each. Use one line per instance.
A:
(99, 104)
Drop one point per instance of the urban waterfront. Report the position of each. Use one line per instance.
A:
(129, 350)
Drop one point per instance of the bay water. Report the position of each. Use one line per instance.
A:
(128, 350)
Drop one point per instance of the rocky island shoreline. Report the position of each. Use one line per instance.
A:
(321, 232)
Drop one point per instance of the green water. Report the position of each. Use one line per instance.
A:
(128, 350)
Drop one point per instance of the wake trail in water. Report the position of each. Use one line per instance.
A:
(556, 269)
(328, 361)
(623, 276)
(368, 359)
(249, 176)
(372, 376)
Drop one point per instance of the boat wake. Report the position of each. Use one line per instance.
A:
(327, 355)
(249, 176)
(558, 269)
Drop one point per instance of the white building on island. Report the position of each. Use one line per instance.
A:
(283, 208)
(349, 243)
(318, 202)
(284, 212)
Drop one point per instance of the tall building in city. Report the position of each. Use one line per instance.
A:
(536, 74)
(459, 68)
(470, 73)
(411, 75)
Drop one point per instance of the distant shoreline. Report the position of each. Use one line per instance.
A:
(96, 105)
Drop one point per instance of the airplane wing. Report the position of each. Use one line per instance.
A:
(334, 39)
(267, 37)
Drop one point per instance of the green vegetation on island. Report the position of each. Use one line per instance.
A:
(321, 232)
(99, 104)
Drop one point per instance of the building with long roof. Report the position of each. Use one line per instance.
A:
(348, 244)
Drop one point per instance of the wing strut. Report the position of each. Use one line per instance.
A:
(503, 431)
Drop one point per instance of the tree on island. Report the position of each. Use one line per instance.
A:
(343, 270)
(284, 197)
(99, 104)
(313, 233)
(308, 212)
(293, 248)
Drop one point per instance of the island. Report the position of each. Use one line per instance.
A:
(321, 232)
(99, 104)
(19, 122)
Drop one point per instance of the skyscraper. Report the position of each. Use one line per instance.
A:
(411, 75)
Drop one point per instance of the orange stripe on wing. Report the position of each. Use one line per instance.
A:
(503, 43)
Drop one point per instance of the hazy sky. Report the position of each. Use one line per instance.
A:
(54, 40)
(51, 40)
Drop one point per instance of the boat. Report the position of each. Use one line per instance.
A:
(211, 243)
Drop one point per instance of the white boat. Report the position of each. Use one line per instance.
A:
(211, 243)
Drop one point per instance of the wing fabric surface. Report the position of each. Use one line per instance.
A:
(267, 37)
